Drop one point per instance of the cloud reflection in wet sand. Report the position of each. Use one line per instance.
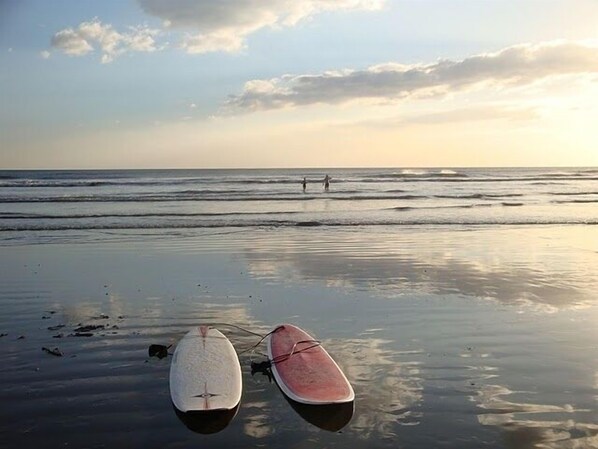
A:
(387, 384)
(558, 429)
(257, 424)
(532, 275)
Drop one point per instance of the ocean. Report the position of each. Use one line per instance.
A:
(460, 303)
(141, 199)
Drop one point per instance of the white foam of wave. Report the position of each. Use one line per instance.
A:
(413, 172)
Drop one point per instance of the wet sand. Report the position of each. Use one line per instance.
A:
(471, 337)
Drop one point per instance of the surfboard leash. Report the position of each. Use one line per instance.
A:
(294, 350)
(259, 342)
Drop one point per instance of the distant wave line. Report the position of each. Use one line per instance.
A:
(18, 216)
(458, 206)
(32, 183)
(575, 201)
(143, 199)
(381, 178)
(478, 196)
(287, 223)
(482, 179)
(29, 216)
(574, 193)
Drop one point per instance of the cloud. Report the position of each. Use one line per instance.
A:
(224, 25)
(205, 43)
(71, 42)
(45, 54)
(517, 65)
(209, 25)
(94, 34)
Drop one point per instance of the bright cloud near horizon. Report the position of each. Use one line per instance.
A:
(298, 83)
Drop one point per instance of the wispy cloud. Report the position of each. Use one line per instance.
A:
(92, 35)
(512, 66)
(225, 25)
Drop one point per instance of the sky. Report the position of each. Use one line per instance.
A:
(298, 83)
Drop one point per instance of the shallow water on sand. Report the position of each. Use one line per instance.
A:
(468, 337)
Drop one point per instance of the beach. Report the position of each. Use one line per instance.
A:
(339, 224)
(458, 327)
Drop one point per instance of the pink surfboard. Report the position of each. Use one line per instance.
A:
(303, 369)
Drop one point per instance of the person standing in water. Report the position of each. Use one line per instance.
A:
(304, 183)
(327, 183)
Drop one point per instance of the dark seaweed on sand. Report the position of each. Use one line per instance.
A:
(56, 352)
(89, 328)
(159, 351)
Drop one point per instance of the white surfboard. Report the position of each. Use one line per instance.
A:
(205, 374)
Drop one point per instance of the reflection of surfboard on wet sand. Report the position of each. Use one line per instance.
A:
(205, 374)
(303, 369)
(331, 417)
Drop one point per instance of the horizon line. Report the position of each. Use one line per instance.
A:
(389, 167)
